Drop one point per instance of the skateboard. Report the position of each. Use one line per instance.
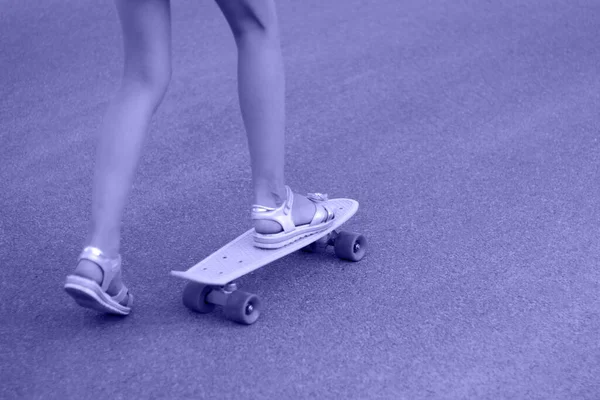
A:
(212, 280)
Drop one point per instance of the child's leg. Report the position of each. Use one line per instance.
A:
(261, 87)
(147, 71)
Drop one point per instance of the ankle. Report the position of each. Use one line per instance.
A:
(108, 246)
(106, 238)
(268, 200)
(270, 197)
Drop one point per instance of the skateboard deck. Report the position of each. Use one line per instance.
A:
(240, 257)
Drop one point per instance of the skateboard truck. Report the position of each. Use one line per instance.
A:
(219, 296)
(230, 287)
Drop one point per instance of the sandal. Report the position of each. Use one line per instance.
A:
(322, 220)
(87, 293)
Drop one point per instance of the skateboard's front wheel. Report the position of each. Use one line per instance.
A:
(350, 246)
(242, 307)
(194, 297)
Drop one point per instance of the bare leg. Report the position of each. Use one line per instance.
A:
(146, 30)
(261, 87)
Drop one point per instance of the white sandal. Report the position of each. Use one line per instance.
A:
(322, 220)
(87, 293)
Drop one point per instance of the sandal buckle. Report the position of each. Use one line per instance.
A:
(318, 197)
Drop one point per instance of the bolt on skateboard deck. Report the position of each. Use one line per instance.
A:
(212, 279)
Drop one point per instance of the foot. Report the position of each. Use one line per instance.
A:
(303, 211)
(90, 270)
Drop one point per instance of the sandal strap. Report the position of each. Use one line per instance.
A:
(323, 214)
(110, 266)
(281, 214)
(121, 295)
(317, 197)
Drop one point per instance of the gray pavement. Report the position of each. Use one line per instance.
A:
(467, 130)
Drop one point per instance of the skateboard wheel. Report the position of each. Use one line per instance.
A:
(350, 246)
(194, 297)
(242, 307)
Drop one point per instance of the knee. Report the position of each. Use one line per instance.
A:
(250, 18)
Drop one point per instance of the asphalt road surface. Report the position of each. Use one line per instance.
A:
(467, 130)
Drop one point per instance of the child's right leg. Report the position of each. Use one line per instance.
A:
(261, 87)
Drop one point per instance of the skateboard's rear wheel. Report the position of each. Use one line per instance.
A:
(243, 308)
(350, 246)
(194, 297)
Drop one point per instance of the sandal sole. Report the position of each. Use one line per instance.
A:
(89, 295)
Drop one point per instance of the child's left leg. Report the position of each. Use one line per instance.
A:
(146, 28)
